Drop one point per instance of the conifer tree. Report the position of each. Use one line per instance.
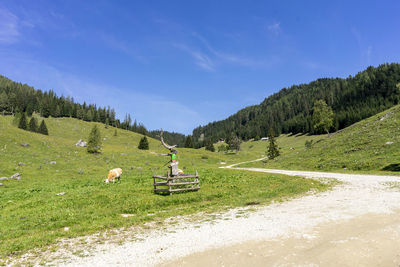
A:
(22, 122)
(189, 142)
(3, 101)
(210, 146)
(43, 128)
(33, 126)
(273, 150)
(144, 143)
(94, 143)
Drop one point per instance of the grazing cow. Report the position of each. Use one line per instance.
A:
(113, 174)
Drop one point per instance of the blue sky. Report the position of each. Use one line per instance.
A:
(181, 64)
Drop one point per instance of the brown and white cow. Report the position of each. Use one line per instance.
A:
(114, 174)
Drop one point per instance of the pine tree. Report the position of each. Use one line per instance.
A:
(210, 146)
(22, 122)
(188, 142)
(273, 150)
(4, 101)
(33, 127)
(144, 143)
(43, 128)
(94, 143)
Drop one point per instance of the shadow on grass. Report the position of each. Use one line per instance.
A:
(395, 167)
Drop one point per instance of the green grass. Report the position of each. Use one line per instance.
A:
(359, 148)
(33, 216)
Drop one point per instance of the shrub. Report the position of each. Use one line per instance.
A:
(308, 144)
(222, 148)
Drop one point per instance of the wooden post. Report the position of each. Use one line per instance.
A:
(169, 184)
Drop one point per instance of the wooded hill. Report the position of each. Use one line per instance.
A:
(290, 110)
(17, 98)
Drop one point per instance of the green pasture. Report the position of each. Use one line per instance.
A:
(32, 215)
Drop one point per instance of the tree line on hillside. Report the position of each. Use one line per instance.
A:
(18, 98)
(291, 109)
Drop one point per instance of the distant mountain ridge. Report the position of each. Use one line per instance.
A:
(290, 110)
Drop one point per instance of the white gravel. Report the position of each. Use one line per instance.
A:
(358, 195)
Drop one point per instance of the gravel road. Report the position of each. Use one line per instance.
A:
(358, 195)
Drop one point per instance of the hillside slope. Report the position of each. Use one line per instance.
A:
(33, 214)
(372, 144)
(290, 110)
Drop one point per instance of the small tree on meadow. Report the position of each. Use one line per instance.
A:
(188, 142)
(33, 126)
(43, 128)
(94, 143)
(144, 143)
(234, 143)
(22, 124)
(322, 118)
(273, 150)
(107, 123)
(210, 146)
(222, 148)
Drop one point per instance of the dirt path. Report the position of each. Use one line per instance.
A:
(299, 231)
(368, 240)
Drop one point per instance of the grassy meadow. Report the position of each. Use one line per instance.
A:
(371, 145)
(32, 215)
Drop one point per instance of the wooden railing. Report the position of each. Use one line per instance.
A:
(170, 184)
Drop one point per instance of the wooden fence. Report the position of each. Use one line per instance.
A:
(171, 184)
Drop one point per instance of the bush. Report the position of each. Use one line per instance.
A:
(222, 148)
(308, 144)
(94, 143)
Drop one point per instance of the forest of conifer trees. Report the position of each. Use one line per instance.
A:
(290, 110)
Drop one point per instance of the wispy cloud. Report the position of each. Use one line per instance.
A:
(275, 28)
(201, 59)
(223, 56)
(207, 57)
(9, 32)
(365, 51)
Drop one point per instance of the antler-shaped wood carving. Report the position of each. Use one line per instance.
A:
(171, 148)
